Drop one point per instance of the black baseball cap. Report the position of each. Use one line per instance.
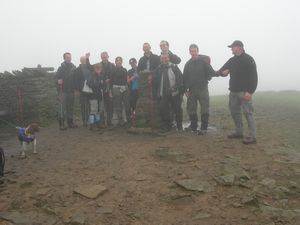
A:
(132, 60)
(236, 43)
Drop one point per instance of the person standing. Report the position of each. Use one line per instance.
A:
(133, 82)
(95, 99)
(149, 62)
(64, 79)
(107, 70)
(242, 85)
(196, 75)
(120, 91)
(82, 74)
(168, 88)
(146, 66)
(164, 47)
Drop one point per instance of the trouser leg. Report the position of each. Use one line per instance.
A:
(176, 108)
(84, 105)
(70, 108)
(61, 110)
(192, 110)
(164, 111)
(235, 101)
(133, 96)
(117, 104)
(108, 104)
(248, 110)
(204, 104)
(125, 100)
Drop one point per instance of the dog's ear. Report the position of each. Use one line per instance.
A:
(34, 127)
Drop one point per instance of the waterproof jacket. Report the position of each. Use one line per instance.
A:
(96, 83)
(197, 73)
(243, 73)
(66, 73)
(157, 77)
(154, 61)
(79, 76)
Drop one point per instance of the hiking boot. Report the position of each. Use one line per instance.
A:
(22, 155)
(249, 140)
(235, 136)
(101, 126)
(71, 124)
(202, 132)
(190, 129)
(61, 124)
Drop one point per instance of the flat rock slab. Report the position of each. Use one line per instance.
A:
(27, 218)
(195, 185)
(269, 182)
(174, 155)
(201, 216)
(78, 219)
(90, 191)
(105, 210)
(43, 191)
(228, 179)
(286, 213)
(285, 155)
(5, 223)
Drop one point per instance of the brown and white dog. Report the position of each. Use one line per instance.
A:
(26, 136)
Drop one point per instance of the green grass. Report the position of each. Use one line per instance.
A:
(277, 115)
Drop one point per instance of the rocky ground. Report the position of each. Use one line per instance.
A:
(119, 178)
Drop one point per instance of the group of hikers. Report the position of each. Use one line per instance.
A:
(106, 88)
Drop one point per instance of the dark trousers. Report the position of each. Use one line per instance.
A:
(167, 105)
(133, 97)
(65, 110)
(201, 96)
(108, 104)
(85, 107)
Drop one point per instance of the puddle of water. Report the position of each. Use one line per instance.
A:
(211, 129)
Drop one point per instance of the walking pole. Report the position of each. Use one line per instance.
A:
(20, 105)
(61, 105)
(102, 112)
(150, 82)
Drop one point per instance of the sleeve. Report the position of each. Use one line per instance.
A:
(174, 58)
(155, 82)
(90, 67)
(76, 74)
(210, 72)
(226, 66)
(140, 65)
(186, 77)
(179, 77)
(252, 76)
(58, 74)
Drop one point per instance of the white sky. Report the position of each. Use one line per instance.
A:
(40, 31)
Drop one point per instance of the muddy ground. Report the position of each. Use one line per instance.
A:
(177, 178)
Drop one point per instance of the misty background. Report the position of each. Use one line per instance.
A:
(38, 32)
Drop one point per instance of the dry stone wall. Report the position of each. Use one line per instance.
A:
(27, 96)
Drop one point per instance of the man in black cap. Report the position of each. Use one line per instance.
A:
(242, 85)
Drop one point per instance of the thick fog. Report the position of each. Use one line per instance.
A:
(39, 32)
